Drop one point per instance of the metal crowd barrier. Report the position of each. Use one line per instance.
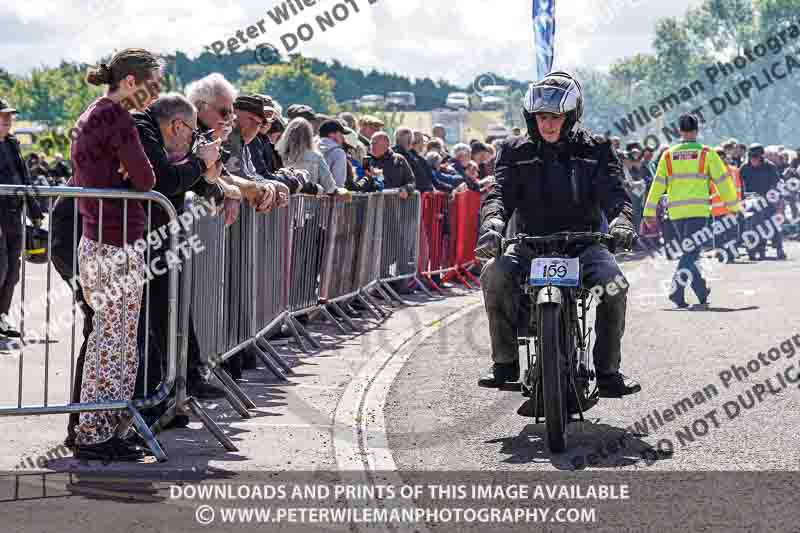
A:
(317, 255)
(449, 230)
(69, 309)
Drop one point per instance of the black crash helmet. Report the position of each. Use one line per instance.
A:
(558, 92)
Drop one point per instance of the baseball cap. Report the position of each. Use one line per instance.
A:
(300, 110)
(252, 104)
(687, 122)
(331, 126)
(5, 108)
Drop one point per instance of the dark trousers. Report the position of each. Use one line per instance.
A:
(501, 281)
(766, 230)
(687, 272)
(11, 243)
(156, 293)
(726, 241)
(61, 252)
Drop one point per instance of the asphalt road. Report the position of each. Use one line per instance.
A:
(439, 419)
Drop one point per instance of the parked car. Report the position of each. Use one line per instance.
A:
(372, 101)
(494, 97)
(457, 101)
(401, 101)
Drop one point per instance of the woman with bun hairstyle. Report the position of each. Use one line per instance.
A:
(107, 153)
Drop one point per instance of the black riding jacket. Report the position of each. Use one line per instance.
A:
(556, 187)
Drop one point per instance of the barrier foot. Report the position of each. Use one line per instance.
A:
(290, 322)
(472, 278)
(389, 290)
(463, 280)
(144, 431)
(347, 320)
(329, 316)
(299, 327)
(367, 296)
(267, 357)
(386, 296)
(210, 425)
(166, 418)
(422, 287)
(367, 306)
(234, 393)
(429, 279)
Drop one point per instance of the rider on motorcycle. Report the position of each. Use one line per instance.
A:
(557, 178)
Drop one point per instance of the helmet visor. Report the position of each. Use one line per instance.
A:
(551, 99)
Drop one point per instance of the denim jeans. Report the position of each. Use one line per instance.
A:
(687, 272)
(501, 281)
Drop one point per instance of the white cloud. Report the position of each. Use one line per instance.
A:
(451, 40)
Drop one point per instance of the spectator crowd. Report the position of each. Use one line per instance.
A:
(217, 144)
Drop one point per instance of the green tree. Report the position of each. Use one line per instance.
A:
(292, 83)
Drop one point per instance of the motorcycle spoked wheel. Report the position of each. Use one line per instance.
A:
(554, 378)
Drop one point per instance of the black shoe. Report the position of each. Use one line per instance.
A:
(704, 298)
(114, 449)
(616, 386)
(679, 301)
(500, 374)
(781, 255)
(7, 330)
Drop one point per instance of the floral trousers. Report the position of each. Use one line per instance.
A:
(108, 276)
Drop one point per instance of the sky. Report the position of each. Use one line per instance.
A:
(456, 41)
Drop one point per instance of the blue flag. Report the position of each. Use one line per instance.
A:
(544, 32)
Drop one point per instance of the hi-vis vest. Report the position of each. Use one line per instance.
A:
(718, 208)
(686, 172)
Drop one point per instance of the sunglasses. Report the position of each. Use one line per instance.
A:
(224, 112)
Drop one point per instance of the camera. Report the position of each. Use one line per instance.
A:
(208, 138)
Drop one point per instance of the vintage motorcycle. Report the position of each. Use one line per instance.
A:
(559, 381)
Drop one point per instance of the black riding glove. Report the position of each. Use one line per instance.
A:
(623, 232)
(490, 239)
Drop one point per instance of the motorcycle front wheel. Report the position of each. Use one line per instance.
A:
(554, 383)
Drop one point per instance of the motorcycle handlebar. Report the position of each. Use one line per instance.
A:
(567, 237)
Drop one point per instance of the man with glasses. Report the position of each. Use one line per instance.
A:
(169, 135)
(213, 97)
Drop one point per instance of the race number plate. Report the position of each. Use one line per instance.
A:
(557, 271)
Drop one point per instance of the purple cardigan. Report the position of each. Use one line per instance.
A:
(105, 136)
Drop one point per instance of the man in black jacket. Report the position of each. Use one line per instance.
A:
(397, 173)
(168, 132)
(760, 176)
(558, 178)
(13, 171)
